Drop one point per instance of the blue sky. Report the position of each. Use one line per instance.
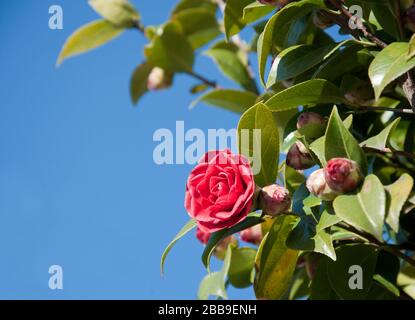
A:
(78, 185)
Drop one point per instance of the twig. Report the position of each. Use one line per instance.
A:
(389, 151)
(395, 250)
(373, 108)
(206, 81)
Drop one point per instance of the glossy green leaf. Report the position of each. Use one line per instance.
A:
(213, 284)
(233, 16)
(255, 11)
(88, 37)
(320, 288)
(277, 29)
(186, 229)
(411, 49)
(119, 12)
(199, 26)
(242, 267)
(380, 140)
(364, 256)
(398, 192)
(277, 261)
(170, 50)
(340, 143)
(258, 140)
(252, 220)
(138, 83)
(233, 100)
(231, 65)
(366, 209)
(306, 93)
(194, 4)
(296, 60)
(389, 65)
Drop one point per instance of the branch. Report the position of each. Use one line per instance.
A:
(395, 250)
(390, 151)
(382, 109)
(206, 81)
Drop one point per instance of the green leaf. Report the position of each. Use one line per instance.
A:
(385, 15)
(255, 11)
(389, 65)
(306, 93)
(398, 192)
(88, 37)
(277, 261)
(320, 288)
(308, 234)
(199, 26)
(386, 273)
(340, 143)
(119, 12)
(186, 229)
(194, 4)
(233, 100)
(361, 255)
(292, 178)
(366, 209)
(138, 83)
(379, 141)
(242, 267)
(233, 16)
(277, 29)
(231, 65)
(213, 284)
(411, 49)
(251, 220)
(258, 140)
(296, 60)
(170, 50)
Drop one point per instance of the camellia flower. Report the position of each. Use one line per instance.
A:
(342, 175)
(298, 157)
(274, 200)
(317, 185)
(220, 190)
(252, 235)
(159, 79)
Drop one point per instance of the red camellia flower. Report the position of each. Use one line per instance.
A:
(219, 190)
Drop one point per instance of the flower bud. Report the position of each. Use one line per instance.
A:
(252, 235)
(202, 236)
(307, 118)
(342, 175)
(274, 200)
(298, 157)
(220, 249)
(159, 79)
(317, 185)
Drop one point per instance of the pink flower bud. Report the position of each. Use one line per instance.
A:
(220, 249)
(252, 235)
(342, 175)
(298, 157)
(307, 118)
(202, 236)
(159, 79)
(274, 200)
(317, 185)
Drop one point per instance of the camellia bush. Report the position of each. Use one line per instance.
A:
(318, 202)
